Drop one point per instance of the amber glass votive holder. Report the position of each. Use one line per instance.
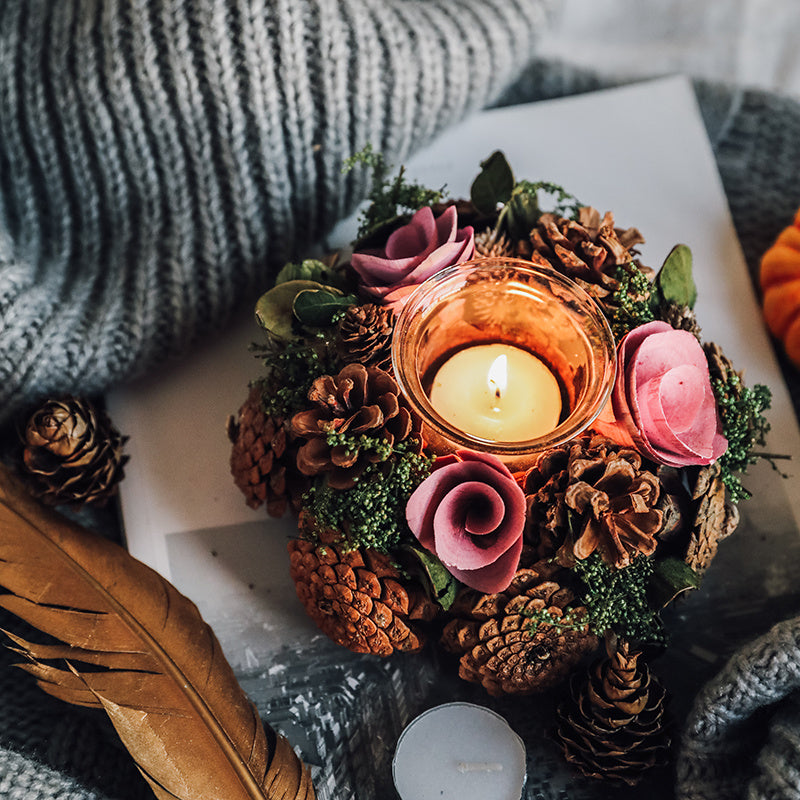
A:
(513, 302)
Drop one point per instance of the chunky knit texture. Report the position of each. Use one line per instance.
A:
(158, 157)
(724, 755)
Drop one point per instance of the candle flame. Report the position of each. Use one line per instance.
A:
(498, 376)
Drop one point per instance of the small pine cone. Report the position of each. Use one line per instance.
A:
(612, 725)
(501, 646)
(601, 492)
(680, 317)
(720, 368)
(364, 336)
(264, 459)
(358, 599)
(715, 518)
(588, 250)
(72, 454)
(489, 245)
(359, 400)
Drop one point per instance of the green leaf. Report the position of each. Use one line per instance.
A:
(440, 583)
(674, 282)
(670, 577)
(493, 184)
(309, 270)
(522, 214)
(318, 307)
(274, 309)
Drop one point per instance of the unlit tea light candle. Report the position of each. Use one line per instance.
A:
(459, 751)
(498, 392)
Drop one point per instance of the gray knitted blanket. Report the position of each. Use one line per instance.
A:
(159, 157)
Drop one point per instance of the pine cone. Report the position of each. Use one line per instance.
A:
(501, 647)
(359, 400)
(264, 459)
(364, 336)
(72, 454)
(599, 490)
(489, 245)
(680, 317)
(358, 599)
(612, 725)
(588, 250)
(715, 518)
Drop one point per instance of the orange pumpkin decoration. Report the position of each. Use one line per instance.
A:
(780, 286)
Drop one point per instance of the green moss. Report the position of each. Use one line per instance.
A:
(743, 425)
(630, 301)
(615, 599)
(373, 513)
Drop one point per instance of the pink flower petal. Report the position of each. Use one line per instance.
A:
(496, 576)
(470, 512)
(417, 238)
(466, 526)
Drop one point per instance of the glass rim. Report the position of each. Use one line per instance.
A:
(424, 300)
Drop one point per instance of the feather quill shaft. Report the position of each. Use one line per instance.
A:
(165, 684)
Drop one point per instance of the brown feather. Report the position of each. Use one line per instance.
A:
(165, 684)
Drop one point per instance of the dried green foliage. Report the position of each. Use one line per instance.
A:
(743, 425)
(373, 513)
(631, 300)
(290, 369)
(615, 600)
(389, 197)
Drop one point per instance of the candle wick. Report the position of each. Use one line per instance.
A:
(479, 766)
(497, 393)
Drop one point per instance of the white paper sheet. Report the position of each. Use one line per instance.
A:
(640, 151)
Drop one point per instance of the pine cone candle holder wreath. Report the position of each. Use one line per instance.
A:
(72, 454)
(516, 562)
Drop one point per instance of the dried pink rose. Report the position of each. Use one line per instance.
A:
(662, 402)
(412, 254)
(470, 512)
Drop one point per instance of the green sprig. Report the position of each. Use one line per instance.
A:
(291, 368)
(389, 197)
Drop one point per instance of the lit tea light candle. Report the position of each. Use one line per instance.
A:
(459, 751)
(498, 392)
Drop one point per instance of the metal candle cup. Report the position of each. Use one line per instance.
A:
(518, 305)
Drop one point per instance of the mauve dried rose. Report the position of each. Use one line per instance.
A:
(470, 512)
(412, 254)
(662, 402)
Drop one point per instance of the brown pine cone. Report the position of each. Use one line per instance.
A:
(612, 725)
(489, 245)
(588, 249)
(364, 336)
(503, 648)
(680, 317)
(72, 454)
(358, 599)
(715, 518)
(590, 494)
(359, 400)
(264, 459)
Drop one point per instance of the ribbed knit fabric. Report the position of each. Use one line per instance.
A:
(742, 738)
(159, 157)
